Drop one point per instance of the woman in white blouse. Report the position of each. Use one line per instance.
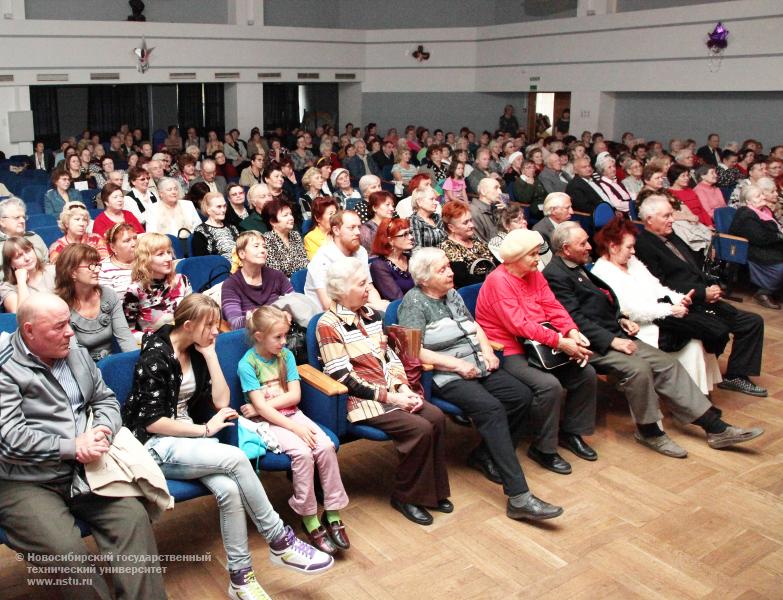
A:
(643, 298)
(171, 214)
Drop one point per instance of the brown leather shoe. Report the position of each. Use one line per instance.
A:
(320, 540)
(336, 532)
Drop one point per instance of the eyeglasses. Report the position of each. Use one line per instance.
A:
(17, 218)
(404, 234)
(92, 267)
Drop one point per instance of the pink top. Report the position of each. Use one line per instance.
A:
(710, 197)
(453, 185)
(689, 198)
(509, 307)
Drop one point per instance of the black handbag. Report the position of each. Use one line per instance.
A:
(542, 356)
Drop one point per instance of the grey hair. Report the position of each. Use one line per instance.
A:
(551, 199)
(562, 235)
(766, 183)
(600, 165)
(417, 195)
(164, 181)
(683, 153)
(159, 156)
(9, 202)
(366, 181)
(340, 273)
(421, 263)
(650, 206)
(749, 190)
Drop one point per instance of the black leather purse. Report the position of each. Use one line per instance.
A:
(542, 356)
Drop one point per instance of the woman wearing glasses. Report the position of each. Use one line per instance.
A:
(96, 311)
(74, 223)
(389, 266)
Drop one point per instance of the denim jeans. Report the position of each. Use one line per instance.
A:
(227, 472)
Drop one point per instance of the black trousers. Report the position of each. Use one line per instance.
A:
(498, 405)
(713, 323)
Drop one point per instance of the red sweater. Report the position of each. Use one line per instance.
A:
(509, 307)
(689, 198)
(103, 223)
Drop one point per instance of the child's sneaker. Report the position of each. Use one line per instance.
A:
(249, 589)
(289, 551)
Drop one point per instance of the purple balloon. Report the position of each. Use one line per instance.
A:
(718, 38)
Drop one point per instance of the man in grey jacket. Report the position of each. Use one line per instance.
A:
(49, 391)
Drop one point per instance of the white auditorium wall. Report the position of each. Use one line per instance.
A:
(634, 51)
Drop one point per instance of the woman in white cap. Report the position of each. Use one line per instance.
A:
(515, 304)
(344, 192)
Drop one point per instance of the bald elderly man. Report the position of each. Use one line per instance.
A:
(48, 392)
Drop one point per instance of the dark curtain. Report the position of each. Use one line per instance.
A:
(109, 106)
(46, 120)
(214, 108)
(281, 105)
(190, 107)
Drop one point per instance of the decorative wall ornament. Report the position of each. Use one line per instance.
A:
(420, 55)
(142, 54)
(717, 42)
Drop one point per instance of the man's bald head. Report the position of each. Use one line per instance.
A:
(44, 322)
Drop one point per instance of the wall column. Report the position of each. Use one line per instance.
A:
(13, 98)
(244, 103)
(593, 111)
(350, 106)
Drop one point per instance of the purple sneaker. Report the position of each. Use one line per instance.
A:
(289, 551)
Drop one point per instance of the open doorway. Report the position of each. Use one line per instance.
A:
(545, 109)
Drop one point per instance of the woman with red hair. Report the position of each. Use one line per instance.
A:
(389, 267)
(658, 310)
(471, 260)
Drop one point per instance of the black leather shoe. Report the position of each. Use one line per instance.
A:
(444, 506)
(531, 508)
(486, 465)
(577, 445)
(412, 512)
(554, 462)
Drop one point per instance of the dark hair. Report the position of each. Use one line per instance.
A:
(269, 168)
(320, 204)
(675, 171)
(727, 153)
(197, 192)
(11, 246)
(185, 159)
(387, 229)
(377, 198)
(56, 174)
(67, 263)
(613, 233)
(650, 169)
(135, 172)
(108, 190)
(113, 233)
(272, 209)
(416, 180)
(453, 168)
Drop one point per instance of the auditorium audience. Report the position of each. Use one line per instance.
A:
(214, 236)
(633, 182)
(644, 372)
(679, 178)
(381, 206)
(368, 184)
(60, 193)
(115, 272)
(513, 304)
(670, 260)
(469, 375)
(156, 289)
(236, 208)
(471, 259)
(344, 193)
(553, 178)
(312, 183)
(755, 172)
(707, 192)
(172, 215)
(584, 192)
(354, 352)
(618, 196)
(97, 319)
(113, 201)
(756, 222)
(403, 171)
(178, 403)
(74, 222)
(514, 218)
(486, 209)
(657, 309)
(24, 273)
(252, 283)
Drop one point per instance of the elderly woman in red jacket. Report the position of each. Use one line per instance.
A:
(513, 304)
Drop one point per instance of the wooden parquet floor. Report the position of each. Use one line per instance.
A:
(636, 524)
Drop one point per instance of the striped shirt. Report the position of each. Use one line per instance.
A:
(355, 353)
(425, 234)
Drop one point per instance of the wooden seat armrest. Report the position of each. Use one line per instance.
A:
(320, 381)
(582, 214)
(728, 236)
(496, 346)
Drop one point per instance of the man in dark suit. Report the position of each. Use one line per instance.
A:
(670, 260)
(585, 193)
(557, 209)
(553, 178)
(362, 163)
(711, 153)
(643, 371)
(216, 183)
